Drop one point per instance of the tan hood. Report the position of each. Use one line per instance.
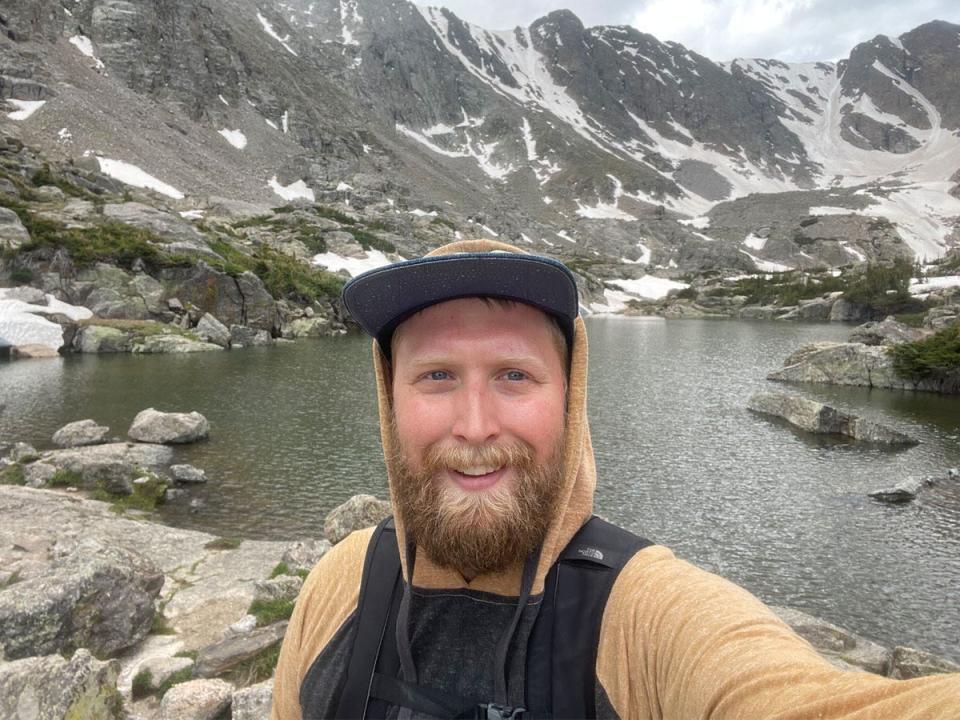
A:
(575, 501)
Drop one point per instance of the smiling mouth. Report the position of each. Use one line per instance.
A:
(477, 477)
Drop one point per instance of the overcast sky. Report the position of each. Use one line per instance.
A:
(792, 30)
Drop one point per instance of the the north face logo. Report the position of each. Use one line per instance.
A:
(590, 553)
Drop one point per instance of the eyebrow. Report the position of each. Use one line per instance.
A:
(503, 361)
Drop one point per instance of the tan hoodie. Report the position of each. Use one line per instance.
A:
(676, 642)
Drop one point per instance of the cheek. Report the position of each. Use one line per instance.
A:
(418, 423)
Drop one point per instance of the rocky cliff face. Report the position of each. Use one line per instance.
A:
(583, 142)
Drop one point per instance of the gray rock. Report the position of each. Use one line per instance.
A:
(112, 466)
(757, 312)
(38, 474)
(196, 700)
(815, 417)
(254, 702)
(220, 657)
(172, 343)
(885, 332)
(245, 336)
(304, 554)
(246, 624)
(170, 227)
(12, 232)
(817, 309)
(153, 426)
(360, 511)
(849, 364)
(25, 293)
(939, 318)
(95, 596)
(904, 491)
(175, 304)
(846, 311)
(835, 643)
(161, 669)
(188, 474)
(33, 351)
(243, 300)
(54, 688)
(214, 331)
(910, 663)
(23, 453)
(282, 587)
(101, 339)
(49, 193)
(79, 433)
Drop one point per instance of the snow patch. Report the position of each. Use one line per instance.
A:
(853, 251)
(285, 121)
(192, 214)
(754, 243)
(371, 260)
(766, 265)
(648, 287)
(423, 213)
(268, 29)
(235, 138)
(700, 223)
(25, 108)
(294, 191)
(919, 287)
(130, 174)
(828, 210)
(22, 323)
(607, 211)
(85, 46)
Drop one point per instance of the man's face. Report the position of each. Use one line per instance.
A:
(479, 396)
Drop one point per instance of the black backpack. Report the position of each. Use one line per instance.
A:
(560, 677)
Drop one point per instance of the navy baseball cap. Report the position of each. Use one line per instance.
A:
(379, 300)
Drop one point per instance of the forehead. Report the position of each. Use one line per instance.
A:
(474, 320)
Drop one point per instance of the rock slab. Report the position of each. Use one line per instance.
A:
(222, 656)
(254, 702)
(196, 700)
(80, 433)
(54, 688)
(360, 511)
(153, 426)
(815, 417)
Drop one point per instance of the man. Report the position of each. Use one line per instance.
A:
(496, 595)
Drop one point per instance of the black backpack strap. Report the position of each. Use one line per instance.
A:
(380, 586)
(562, 655)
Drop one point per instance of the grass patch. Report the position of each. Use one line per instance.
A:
(444, 222)
(140, 330)
(12, 580)
(13, 475)
(66, 478)
(256, 669)
(145, 496)
(333, 214)
(143, 683)
(911, 319)
(192, 654)
(223, 543)
(268, 612)
(933, 358)
(283, 569)
(160, 626)
(787, 288)
(368, 240)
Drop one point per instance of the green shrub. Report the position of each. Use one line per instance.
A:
(22, 275)
(333, 214)
(368, 240)
(933, 358)
(66, 478)
(268, 612)
(687, 293)
(444, 222)
(283, 569)
(882, 286)
(12, 475)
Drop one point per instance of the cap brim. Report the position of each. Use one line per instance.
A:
(381, 299)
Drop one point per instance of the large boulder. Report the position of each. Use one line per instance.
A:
(153, 426)
(214, 331)
(101, 339)
(55, 688)
(241, 300)
(172, 343)
(304, 554)
(282, 587)
(243, 336)
(254, 702)
(168, 226)
(904, 491)
(112, 467)
(885, 332)
(846, 311)
(846, 364)
(815, 417)
(360, 511)
(196, 700)
(79, 433)
(12, 232)
(94, 596)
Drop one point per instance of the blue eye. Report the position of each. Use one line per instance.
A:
(439, 375)
(515, 375)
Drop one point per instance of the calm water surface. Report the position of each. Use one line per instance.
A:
(294, 433)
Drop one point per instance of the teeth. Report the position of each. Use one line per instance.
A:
(477, 470)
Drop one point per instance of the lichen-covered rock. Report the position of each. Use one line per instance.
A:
(909, 663)
(282, 587)
(188, 474)
(12, 232)
(172, 343)
(815, 417)
(304, 554)
(80, 433)
(196, 700)
(360, 511)
(54, 688)
(254, 702)
(38, 474)
(112, 466)
(153, 426)
(101, 339)
(93, 596)
(23, 453)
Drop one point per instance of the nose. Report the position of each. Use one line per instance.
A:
(477, 418)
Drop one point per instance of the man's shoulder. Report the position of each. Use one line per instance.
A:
(341, 568)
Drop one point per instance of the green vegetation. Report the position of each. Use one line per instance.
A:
(333, 214)
(268, 612)
(22, 275)
(143, 683)
(368, 240)
(443, 221)
(145, 496)
(256, 669)
(13, 475)
(160, 626)
(223, 543)
(934, 358)
(13, 579)
(882, 286)
(787, 288)
(140, 330)
(66, 478)
(284, 569)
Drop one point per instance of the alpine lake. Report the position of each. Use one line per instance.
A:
(294, 433)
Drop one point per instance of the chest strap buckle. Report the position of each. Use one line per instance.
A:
(493, 711)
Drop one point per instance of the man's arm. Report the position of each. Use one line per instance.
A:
(679, 643)
(327, 599)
